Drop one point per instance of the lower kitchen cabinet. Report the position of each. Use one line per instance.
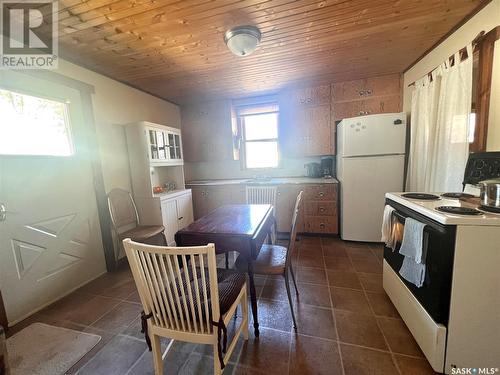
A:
(285, 203)
(176, 213)
(319, 208)
(320, 214)
(208, 198)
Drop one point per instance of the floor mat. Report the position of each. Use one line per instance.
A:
(43, 349)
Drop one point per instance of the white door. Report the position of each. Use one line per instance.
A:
(365, 180)
(50, 240)
(170, 219)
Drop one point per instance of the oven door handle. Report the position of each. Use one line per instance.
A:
(402, 218)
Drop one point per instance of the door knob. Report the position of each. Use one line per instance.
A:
(3, 212)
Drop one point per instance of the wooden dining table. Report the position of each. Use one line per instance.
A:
(242, 228)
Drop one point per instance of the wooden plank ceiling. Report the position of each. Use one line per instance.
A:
(175, 49)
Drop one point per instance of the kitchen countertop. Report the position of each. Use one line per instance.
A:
(270, 181)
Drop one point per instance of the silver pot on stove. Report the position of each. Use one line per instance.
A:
(490, 193)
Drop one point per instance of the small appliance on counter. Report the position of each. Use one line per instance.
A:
(327, 167)
(313, 170)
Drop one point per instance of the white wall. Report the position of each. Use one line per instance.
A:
(115, 104)
(486, 19)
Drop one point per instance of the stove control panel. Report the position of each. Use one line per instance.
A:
(482, 166)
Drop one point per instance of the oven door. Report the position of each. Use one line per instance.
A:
(434, 295)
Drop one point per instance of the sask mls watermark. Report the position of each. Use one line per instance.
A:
(29, 34)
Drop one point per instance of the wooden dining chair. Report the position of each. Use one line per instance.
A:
(277, 260)
(125, 220)
(185, 297)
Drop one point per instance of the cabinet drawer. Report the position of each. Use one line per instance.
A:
(320, 192)
(387, 104)
(321, 224)
(325, 208)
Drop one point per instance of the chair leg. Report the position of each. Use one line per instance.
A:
(287, 284)
(244, 312)
(157, 357)
(293, 278)
(217, 369)
(227, 260)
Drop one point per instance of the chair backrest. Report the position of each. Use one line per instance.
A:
(174, 286)
(261, 195)
(293, 231)
(122, 210)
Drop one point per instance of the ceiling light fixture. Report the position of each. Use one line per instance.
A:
(242, 40)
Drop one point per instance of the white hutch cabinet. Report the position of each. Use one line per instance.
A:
(156, 160)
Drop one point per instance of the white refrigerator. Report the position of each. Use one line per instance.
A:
(370, 163)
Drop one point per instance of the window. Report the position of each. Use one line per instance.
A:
(259, 129)
(32, 125)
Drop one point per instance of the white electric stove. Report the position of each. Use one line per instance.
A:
(455, 315)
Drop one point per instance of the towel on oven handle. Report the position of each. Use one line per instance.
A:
(388, 236)
(414, 250)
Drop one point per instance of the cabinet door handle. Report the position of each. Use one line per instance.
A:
(180, 218)
(369, 92)
(322, 209)
(361, 93)
(322, 225)
(321, 194)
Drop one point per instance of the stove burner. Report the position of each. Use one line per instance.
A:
(457, 195)
(458, 210)
(421, 196)
(493, 210)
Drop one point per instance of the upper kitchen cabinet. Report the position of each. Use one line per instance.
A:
(366, 97)
(206, 128)
(318, 95)
(159, 145)
(305, 122)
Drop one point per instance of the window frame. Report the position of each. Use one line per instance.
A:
(484, 47)
(243, 141)
(67, 119)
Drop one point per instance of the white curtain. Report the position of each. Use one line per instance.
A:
(440, 111)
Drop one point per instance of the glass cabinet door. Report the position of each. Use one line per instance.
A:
(153, 145)
(161, 145)
(177, 139)
(171, 144)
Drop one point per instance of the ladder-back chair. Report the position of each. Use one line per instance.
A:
(277, 260)
(125, 220)
(185, 297)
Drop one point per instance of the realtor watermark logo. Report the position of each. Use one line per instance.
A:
(474, 370)
(29, 34)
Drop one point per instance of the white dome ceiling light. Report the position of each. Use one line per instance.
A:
(242, 40)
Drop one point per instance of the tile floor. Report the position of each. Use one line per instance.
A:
(346, 323)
